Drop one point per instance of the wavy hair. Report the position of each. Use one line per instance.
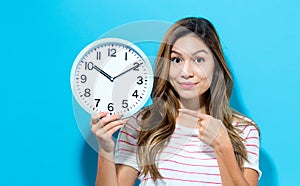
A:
(158, 120)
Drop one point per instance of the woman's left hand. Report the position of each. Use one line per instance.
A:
(211, 130)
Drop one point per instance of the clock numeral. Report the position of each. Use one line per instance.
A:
(136, 64)
(125, 103)
(125, 56)
(88, 66)
(140, 80)
(98, 55)
(83, 78)
(87, 92)
(110, 107)
(97, 102)
(135, 94)
(112, 52)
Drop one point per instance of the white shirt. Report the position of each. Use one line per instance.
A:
(186, 160)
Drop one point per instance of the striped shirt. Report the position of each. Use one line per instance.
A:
(185, 160)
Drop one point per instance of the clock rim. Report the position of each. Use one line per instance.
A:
(100, 42)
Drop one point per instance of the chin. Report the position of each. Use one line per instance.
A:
(190, 95)
(187, 97)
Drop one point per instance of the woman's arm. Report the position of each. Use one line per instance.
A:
(108, 174)
(229, 169)
(126, 175)
(214, 133)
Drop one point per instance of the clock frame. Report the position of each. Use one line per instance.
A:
(113, 75)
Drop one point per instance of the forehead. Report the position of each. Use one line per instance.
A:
(189, 44)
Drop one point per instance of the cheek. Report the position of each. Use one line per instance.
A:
(174, 71)
(205, 73)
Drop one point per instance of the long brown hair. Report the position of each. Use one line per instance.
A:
(158, 120)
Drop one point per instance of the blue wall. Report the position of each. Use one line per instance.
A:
(41, 143)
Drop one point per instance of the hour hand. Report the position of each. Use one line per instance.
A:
(103, 73)
(132, 68)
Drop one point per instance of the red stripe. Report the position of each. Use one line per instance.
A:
(208, 151)
(188, 145)
(188, 157)
(252, 153)
(255, 129)
(177, 179)
(121, 149)
(131, 126)
(252, 145)
(129, 134)
(243, 128)
(237, 123)
(252, 137)
(188, 164)
(244, 118)
(136, 119)
(187, 172)
(123, 141)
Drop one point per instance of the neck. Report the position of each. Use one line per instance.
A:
(193, 104)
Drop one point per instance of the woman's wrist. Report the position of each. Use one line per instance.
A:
(105, 154)
(222, 142)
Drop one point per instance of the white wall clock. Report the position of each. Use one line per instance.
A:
(112, 74)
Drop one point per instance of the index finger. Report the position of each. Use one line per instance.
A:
(194, 113)
(95, 118)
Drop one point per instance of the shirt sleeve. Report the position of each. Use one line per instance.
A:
(252, 144)
(126, 145)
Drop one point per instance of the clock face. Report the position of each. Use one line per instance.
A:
(111, 75)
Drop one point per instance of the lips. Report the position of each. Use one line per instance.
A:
(187, 85)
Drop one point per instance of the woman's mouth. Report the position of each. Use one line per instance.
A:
(187, 85)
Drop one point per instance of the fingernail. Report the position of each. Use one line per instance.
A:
(180, 110)
(105, 112)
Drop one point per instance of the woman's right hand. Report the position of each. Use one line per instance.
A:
(103, 127)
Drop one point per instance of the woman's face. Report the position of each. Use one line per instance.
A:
(192, 67)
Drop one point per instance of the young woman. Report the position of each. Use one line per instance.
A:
(189, 135)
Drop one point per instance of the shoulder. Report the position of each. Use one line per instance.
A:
(245, 126)
(126, 144)
(133, 125)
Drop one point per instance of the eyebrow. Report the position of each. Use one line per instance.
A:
(198, 51)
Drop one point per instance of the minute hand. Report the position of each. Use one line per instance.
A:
(136, 66)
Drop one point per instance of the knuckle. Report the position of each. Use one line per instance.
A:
(99, 134)
(94, 116)
(201, 131)
(94, 130)
(104, 120)
(108, 125)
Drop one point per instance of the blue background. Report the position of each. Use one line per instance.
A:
(40, 141)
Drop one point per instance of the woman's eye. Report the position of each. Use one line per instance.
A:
(199, 60)
(175, 60)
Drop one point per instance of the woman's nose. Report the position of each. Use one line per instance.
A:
(187, 70)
